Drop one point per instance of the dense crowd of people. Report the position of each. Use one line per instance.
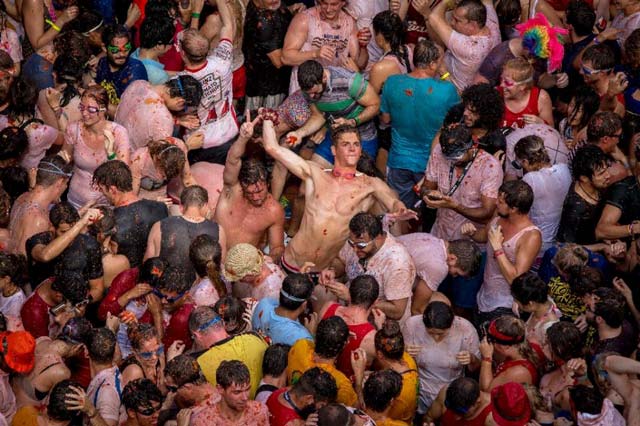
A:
(319, 212)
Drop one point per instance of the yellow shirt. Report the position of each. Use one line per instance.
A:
(248, 348)
(404, 406)
(391, 422)
(301, 360)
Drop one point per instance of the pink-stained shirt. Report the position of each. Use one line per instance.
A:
(86, 160)
(255, 414)
(322, 33)
(104, 391)
(429, 254)
(391, 265)
(553, 142)
(203, 293)
(268, 288)
(41, 137)
(144, 114)
(8, 406)
(626, 25)
(466, 53)
(483, 178)
(10, 43)
(437, 364)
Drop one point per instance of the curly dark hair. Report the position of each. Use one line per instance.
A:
(486, 101)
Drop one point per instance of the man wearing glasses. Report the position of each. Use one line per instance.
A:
(142, 400)
(604, 131)
(117, 70)
(596, 68)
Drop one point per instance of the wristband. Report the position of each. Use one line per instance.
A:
(357, 120)
(111, 156)
(52, 25)
(445, 76)
(487, 359)
(498, 253)
(195, 15)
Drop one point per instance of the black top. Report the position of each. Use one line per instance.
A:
(625, 195)
(264, 32)
(177, 234)
(133, 223)
(579, 219)
(83, 255)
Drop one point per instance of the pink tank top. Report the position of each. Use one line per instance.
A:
(323, 33)
(495, 291)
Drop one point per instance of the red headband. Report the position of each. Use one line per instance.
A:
(502, 338)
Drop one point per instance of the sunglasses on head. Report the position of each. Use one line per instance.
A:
(167, 298)
(590, 71)
(360, 246)
(507, 82)
(90, 109)
(172, 388)
(116, 49)
(150, 354)
(148, 411)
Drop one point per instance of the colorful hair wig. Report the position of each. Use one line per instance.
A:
(543, 41)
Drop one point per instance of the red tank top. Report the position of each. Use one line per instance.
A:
(449, 418)
(515, 119)
(360, 330)
(513, 363)
(280, 415)
(416, 26)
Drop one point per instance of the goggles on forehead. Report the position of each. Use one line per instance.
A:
(507, 82)
(589, 71)
(116, 49)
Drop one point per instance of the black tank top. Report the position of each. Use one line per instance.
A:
(177, 235)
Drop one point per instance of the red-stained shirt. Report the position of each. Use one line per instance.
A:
(280, 415)
(122, 283)
(172, 60)
(35, 315)
(178, 327)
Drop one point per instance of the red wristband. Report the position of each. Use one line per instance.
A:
(498, 253)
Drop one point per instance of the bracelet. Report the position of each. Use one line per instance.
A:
(445, 76)
(111, 156)
(195, 15)
(487, 359)
(357, 121)
(52, 25)
(498, 253)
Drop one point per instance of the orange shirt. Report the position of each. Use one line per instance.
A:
(404, 406)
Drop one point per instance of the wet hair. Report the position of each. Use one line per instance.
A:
(318, 383)
(632, 49)
(201, 316)
(88, 20)
(48, 171)
(297, 285)
(365, 223)
(72, 284)
(151, 271)
(476, 11)
(233, 372)
(523, 70)
(611, 311)
(601, 57)
(380, 389)
(484, 100)
(364, 291)
(175, 279)
(514, 328)
(231, 309)
(72, 43)
(106, 225)
(586, 399)
(586, 101)
(114, 173)
(438, 315)
(194, 196)
(77, 330)
(509, 12)
(463, 392)
(68, 70)
(195, 46)
(6, 62)
(13, 143)
(205, 255)
(14, 181)
(156, 30)
(529, 287)
(425, 53)
(184, 369)
(367, 165)
(5, 206)
(187, 88)
(570, 255)
(57, 406)
(159, 9)
(170, 157)
(587, 160)
(603, 123)
(13, 266)
(331, 337)
(338, 131)
(389, 340)
(141, 393)
(252, 171)
(584, 279)
(63, 212)
(275, 359)
(102, 345)
(565, 340)
(141, 333)
(23, 97)
(334, 415)
(518, 195)
(469, 256)
(310, 73)
(392, 29)
(98, 94)
(114, 31)
(581, 17)
(532, 149)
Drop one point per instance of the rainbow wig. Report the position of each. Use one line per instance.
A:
(543, 41)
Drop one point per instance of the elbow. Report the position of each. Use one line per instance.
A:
(600, 232)
(287, 59)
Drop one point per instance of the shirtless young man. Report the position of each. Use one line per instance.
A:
(332, 197)
(246, 209)
(30, 213)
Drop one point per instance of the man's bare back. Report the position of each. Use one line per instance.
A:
(27, 219)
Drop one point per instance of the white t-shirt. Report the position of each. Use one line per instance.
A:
(216, 114)
(429, 255)
(104, 393)
(10, 306)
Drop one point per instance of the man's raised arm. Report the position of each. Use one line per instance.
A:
(288, 158)
(234, 157)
